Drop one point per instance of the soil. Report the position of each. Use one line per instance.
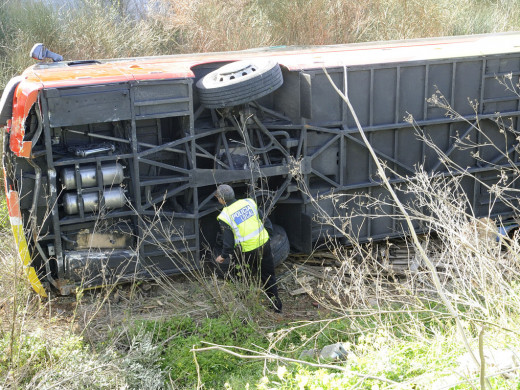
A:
(98, 311)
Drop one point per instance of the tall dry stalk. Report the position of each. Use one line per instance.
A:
(215, 25)
(433, 274)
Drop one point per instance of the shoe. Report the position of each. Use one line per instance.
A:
(277, 305)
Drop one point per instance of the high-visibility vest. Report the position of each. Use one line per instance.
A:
(242, 217)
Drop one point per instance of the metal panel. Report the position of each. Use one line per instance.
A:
(384, 81)
(412, 99)
(467, 85)
(88, 104)
(359, 94)
(385, 97)
(326, 106)
(162, 99)
(175, 154)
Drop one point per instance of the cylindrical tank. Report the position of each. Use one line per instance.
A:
(112, 174)
(113, 198)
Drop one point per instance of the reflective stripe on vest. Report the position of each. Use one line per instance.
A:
(248, 230)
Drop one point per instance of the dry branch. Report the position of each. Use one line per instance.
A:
(415, 238)
(268, 356)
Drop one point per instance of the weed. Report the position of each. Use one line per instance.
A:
(397, 330)
(106, 29)
(178, 336)
(76, 366)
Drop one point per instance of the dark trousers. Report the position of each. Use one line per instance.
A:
(261, 260)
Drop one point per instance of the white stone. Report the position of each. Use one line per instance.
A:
(336, 351)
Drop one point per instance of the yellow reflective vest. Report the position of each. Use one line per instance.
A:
(242, 217)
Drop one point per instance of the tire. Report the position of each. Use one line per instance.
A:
(280, 246)
(239, 82)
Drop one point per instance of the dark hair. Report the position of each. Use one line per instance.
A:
(225, 192)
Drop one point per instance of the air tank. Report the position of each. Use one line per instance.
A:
(112, 174)
(113, 197)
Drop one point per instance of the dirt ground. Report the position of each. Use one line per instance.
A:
(96, 312)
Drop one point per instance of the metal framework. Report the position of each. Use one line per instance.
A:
(292, 149)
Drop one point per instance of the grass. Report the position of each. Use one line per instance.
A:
(411, 363)
(428, 361)
(394, 335)
(108, 29)
(397, 331)
(179, 335)
(68, 362)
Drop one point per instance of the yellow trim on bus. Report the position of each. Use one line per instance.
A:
(23, 251)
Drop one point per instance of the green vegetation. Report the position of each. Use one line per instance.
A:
(216, 367)
(66, 361)
(396, 331)
(92, 29)
(377, 356)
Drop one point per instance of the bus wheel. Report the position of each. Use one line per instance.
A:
(239, 82)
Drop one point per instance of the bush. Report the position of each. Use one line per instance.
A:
(76, 366)
(90, 29)
(109, 29)
(178, 336)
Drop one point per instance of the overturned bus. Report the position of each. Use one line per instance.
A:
(111, 166)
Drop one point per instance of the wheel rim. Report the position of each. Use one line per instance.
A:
(235, 72)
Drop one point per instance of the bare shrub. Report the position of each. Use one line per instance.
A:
(477, 265)
(131, 366)
(21, 26)
(215, 25)
(322, 22)
(90, 29)
(18, 306)
(108, 29)
(463, 272)
(240, 297)
(95, 30)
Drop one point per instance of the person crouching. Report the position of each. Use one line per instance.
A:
(241, 225)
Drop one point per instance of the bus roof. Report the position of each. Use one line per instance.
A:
(68, 73)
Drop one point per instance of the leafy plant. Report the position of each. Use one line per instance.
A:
(178, 336)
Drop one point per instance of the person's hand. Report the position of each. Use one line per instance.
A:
(220, 259)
